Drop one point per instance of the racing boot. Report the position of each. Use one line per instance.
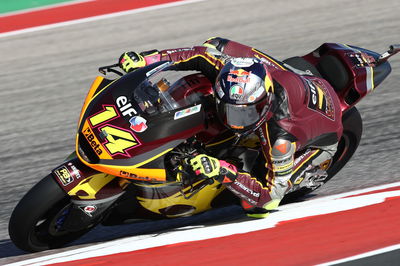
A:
(314, 178)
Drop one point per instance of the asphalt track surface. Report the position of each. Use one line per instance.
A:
(44, 77)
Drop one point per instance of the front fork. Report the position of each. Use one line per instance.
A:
(91, 192)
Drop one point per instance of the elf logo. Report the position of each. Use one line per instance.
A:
(124, 106)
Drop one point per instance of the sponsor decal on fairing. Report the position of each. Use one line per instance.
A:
(188, 111)
(87, 132)
(138, 124)
(64, 175)
(75, 171)
(124, 106)
(89, 210)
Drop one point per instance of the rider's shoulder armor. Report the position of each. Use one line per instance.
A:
(217, 43)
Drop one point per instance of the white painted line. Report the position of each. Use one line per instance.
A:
(319, 206)
(44, 7)
(95, 18)
(363, 255)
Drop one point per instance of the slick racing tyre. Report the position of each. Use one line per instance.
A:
(35, 222)
(352, 131)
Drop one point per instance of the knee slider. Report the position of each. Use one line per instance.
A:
(282, 157)
(216, 43)
(283, 149)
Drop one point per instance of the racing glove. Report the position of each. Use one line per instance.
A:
(211, 167)
(130, 61)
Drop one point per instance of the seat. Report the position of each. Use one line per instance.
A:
(334, 71)
(329, 68)
(299, 63)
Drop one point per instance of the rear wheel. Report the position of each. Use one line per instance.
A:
(352, 131)
(35, 224)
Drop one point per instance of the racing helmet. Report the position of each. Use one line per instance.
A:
(244, 94)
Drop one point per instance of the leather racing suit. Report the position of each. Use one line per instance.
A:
(306, 117)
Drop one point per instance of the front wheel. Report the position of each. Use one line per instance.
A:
(35, 224)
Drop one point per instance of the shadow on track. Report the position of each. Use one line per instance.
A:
(101, 233)
(7, 249)
(213, 217)
(229, 214)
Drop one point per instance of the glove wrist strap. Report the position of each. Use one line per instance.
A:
(228, 173)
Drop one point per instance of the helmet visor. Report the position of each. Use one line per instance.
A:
(241, 116)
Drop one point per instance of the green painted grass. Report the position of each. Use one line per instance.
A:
(16, 5)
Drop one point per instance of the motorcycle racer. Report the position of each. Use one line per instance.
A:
(289, 111)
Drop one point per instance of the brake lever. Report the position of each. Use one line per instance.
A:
(393, 49)
(106, 69)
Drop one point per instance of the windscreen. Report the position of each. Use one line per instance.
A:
(155, 94)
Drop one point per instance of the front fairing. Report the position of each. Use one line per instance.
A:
(126, 125)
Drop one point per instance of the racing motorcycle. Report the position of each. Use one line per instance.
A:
(136, 132)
